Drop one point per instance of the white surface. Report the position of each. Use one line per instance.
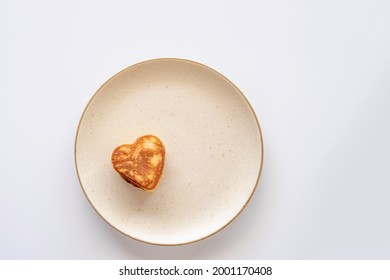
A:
(316, 73)
(213, 150)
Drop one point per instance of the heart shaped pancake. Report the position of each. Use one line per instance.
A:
(141, 163)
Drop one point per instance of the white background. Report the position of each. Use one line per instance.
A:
(316, 72)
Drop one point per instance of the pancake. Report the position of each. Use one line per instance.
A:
(141, 163)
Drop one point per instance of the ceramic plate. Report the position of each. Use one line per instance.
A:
(213, 147)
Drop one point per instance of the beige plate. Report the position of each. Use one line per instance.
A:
(213, 144)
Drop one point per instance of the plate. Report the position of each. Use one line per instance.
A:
(214, 150)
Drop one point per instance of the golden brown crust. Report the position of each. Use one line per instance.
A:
(141, 163)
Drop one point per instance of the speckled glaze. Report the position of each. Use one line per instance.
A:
(213, 147)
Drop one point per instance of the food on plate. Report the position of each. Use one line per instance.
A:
(141, 163)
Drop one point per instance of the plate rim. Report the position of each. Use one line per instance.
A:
(224, 78)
